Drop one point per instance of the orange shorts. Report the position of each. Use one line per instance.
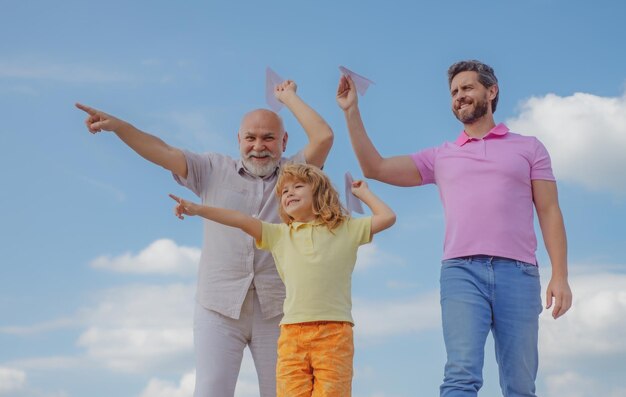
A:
(315, 359)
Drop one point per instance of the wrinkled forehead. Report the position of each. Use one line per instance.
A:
(464, 78)
(261, 122)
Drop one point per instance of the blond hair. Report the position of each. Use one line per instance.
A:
(327, 207)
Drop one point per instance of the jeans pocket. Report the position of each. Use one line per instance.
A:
(528, 268)
(454, 262)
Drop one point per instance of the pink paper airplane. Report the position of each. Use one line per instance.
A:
(353, 204)
(271, 81)
(361, 83)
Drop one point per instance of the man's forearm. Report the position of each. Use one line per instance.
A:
(316, 128)
(365, 151)
(554, 237)
(153, 148)
(319, 133)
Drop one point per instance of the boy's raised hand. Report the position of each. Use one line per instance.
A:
(284, 89)
(346, 93)
(98, 121)
(359, 187)
(184, 207)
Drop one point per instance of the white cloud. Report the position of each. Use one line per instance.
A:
(569, 384)
(160, 388)
(247, 383)
(371, 255)
(63, 72)
(137, 328)
(585, 135)
(163, 256)
(195, 128)
(49, 363)
(109, 189)
(388, 318)
(580, 353)
(11, 380)
(246, 388)
(22, 90)
(39, 328)
(593, 326)
(572, 384)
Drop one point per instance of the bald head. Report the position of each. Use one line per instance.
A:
(264, 119)
(262, 140)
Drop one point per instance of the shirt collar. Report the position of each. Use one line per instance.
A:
(498, 130)
(297, 225)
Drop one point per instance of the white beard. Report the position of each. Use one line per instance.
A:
(259, 170)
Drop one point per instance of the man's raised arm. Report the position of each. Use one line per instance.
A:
(147, 146)
(318, 131)
(397, 170)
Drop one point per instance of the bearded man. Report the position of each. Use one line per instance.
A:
(489, 178)
(239, 296)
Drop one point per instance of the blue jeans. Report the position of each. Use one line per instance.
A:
(481, 294)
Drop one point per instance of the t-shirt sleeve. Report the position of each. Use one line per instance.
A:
(425, 162)
(541, 167)
(199, 168)
(270, 235)
(360, 229)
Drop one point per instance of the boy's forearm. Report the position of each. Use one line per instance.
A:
(375, 204)
(233, 218)
(383, 216)
(225, 216)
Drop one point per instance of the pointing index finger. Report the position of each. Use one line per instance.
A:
(85, 108)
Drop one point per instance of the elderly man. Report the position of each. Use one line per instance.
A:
(239, 293)
(489, 178)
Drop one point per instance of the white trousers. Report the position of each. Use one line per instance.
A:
(219, 344)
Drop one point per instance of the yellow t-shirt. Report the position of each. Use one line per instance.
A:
(316, 267)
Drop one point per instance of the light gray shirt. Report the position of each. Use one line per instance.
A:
(230, 264)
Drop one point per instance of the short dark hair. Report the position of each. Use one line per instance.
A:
(486, 75)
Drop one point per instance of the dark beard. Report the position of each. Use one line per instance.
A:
(479, 111)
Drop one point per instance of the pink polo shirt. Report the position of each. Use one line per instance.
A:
(485, 188)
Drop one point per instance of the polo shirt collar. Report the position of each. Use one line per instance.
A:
(297, 225)
(498, 130)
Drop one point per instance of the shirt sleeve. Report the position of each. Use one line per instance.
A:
(297, 158)
(541, 167)
(270, 235)
(199, 167)
(360, 229)
(425, 162)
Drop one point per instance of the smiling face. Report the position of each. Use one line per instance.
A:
(306, 194)
(470, 99)
(262, 140)
(296, 200)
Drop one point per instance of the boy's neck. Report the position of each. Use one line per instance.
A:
(306, 219)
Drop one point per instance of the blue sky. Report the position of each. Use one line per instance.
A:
(97, 276)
